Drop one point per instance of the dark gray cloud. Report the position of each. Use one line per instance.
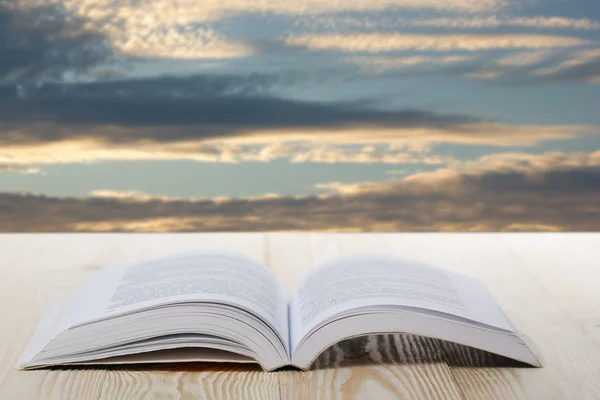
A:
(552, 197)
(192, 107)
(41, 43)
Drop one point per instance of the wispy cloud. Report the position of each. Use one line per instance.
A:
(367, 154)
(381, 42)
(524, 59)
(540, 67)
(510, 191)
(454, 22)
(18, 168)
(539, 22)
(128, 195)
(379, 64)
(583, 65)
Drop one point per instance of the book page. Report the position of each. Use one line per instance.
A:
(379, 281)
(214, 277)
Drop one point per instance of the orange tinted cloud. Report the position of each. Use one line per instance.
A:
(316, 145)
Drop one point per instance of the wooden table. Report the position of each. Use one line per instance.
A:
(548, 285)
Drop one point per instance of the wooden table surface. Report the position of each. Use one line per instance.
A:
(547, 284)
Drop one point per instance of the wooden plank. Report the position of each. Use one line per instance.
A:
(384, 367)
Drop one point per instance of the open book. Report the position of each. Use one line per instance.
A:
(230, 308)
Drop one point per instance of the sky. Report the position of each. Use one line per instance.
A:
(368, 115)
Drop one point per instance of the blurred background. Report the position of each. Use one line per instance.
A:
(321, 115)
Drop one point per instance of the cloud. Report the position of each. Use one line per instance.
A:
(367, 154)
(170, 42)
(400, 145)
(228, 119)
(389, 42)
(583, 65)
(181, 30)
(524, 59)
(540, 67)
(538, 22)
(487, 73)
(490, 172)
(145, 14)
(18, 168)
(129, 30)
(49, 40)
(511, 191)
(384, 22)
(378, 64)
(221, 118)
(130, 195)
(44, 43)
(168, 103)
(536, 67)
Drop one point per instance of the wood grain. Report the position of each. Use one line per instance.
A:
(547, 285)
(193, 381)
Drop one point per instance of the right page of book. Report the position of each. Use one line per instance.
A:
(347, 285)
